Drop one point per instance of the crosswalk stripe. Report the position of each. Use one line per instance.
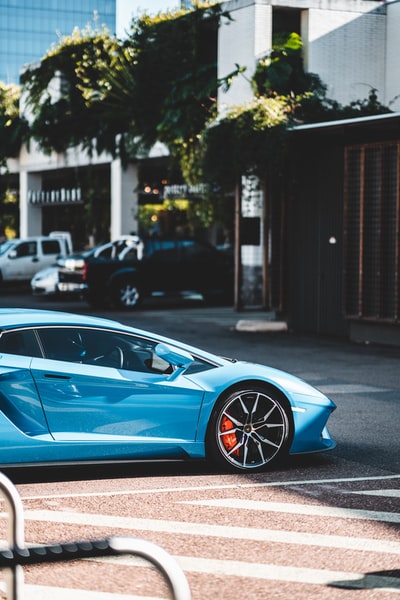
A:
(220, 531)
(384, 493)
(42, 592)
(349, 388)
(298, 509)
(215, 567)
(226, 486)
(292, 574)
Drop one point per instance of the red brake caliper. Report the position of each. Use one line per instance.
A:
(229, 439)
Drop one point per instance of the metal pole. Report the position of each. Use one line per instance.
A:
(15, 536)
(165, 563)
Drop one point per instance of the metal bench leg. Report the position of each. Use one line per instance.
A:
(164, 562)
(17, 554)
(14, 576)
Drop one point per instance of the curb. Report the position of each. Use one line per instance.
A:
(254, 325)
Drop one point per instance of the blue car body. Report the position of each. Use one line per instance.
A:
(57, 407)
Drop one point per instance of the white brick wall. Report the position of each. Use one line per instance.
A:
(351, 44)
(242, 41)
(392, 88)
(347, 51)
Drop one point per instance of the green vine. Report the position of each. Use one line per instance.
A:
(13, 126)
(161, 85)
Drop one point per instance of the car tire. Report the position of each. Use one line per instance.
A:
(125, 294)
(250, 429)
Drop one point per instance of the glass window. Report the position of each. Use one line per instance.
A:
(28, 29)
(51, 247)
(26, 249)
(102, 348)
(108, 348)
(22, 342)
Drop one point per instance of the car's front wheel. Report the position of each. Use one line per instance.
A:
(126, 294)
(248, 430)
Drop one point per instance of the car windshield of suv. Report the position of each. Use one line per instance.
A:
(6, 246)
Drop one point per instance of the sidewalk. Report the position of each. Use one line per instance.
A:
(260, 321)
(243, 320)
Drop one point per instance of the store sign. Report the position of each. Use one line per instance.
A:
(57, 196)
(184, 191)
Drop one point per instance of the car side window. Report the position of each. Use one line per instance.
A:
(121, 351)
(23, 343)
(26, 249)
(61, 343)
(102, 348)
(51, 247)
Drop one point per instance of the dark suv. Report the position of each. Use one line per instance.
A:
(165, 265)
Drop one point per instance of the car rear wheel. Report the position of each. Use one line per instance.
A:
(126, 294)
(248, 430)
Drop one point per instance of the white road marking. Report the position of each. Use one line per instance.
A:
(220, 531)
(41, 592)
(335, 579)
(299, 509)
(349, 388)
(275, 572)
(384, 493)
(200, 488)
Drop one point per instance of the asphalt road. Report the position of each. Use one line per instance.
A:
(320, 526)
(363, 380)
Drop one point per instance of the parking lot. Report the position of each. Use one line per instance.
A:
(320, 526)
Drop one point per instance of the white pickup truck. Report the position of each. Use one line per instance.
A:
(20, 259)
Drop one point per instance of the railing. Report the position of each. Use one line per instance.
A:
(17, 554)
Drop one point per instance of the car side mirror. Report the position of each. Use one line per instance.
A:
(176, 357)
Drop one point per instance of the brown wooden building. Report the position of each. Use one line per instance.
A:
(336, 265)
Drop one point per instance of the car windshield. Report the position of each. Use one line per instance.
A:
(6, 246)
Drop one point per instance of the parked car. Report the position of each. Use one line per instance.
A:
(20, 259)
(81, 388)
(166, 265)
(65, 277)
(48, 282)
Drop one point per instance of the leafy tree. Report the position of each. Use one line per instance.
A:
(159, 84)
(167, 79)
(249, 140)
(14, 127)
(14, 131)
(282, 72)
(252, 139)
(57, 92)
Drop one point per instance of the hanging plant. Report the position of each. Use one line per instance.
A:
(249, 140)
(14, 127)
(58, 91)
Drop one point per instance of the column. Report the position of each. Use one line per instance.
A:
(30, 215)
(252, 251)
(124, 199)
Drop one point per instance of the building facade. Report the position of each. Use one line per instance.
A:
(29, 29)
(352, 45)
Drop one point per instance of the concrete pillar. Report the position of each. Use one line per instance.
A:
(30, 215)
(252, 250)
(124, 199)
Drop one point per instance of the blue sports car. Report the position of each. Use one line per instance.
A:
(80, 388)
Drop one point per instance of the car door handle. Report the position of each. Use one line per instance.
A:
(35, 259)
(56, 376)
